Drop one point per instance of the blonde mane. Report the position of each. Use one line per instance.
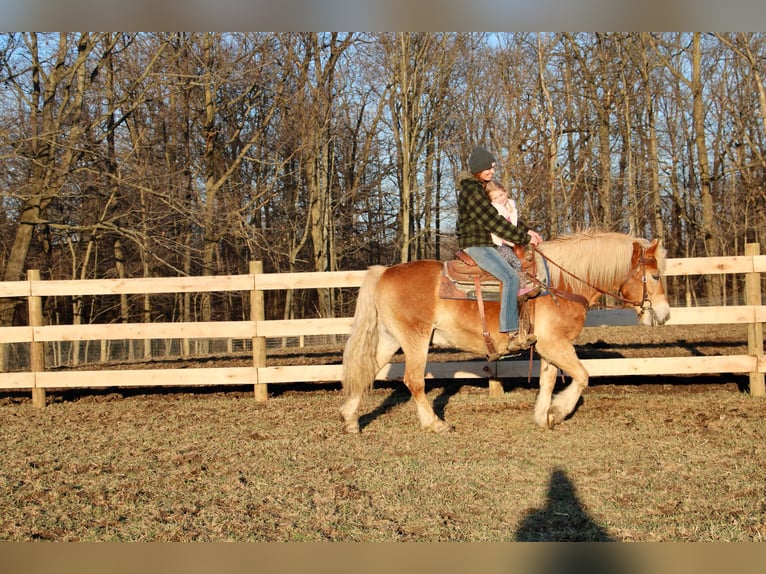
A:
(600, 257)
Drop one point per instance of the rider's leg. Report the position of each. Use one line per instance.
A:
(492, 262)
(489, 259)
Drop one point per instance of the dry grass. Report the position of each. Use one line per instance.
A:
(635, 463)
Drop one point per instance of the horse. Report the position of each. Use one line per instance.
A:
(399, 307)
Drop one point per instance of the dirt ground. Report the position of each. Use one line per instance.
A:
(641, 459)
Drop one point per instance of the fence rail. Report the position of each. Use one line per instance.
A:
(38, 379)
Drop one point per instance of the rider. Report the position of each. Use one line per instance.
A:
(506, 207)
(477, 220)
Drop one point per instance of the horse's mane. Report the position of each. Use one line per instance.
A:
(600, 257)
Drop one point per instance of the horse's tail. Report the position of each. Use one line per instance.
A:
(359, 364)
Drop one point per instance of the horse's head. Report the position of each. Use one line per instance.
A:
(644, 289)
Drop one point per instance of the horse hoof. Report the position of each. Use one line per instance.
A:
(554, 418)
(551, 422)
(440, 427)
(351, 428)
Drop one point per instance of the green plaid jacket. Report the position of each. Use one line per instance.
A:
(477, 218)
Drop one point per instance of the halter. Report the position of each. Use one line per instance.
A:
(645, 305)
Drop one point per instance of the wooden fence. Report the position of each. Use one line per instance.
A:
(38, 379)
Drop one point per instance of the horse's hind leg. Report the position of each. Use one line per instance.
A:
(426, 415)
(386, 347)
(414, 377)
(350, 413)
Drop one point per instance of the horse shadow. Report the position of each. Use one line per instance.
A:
(400, 394)
(562, 519)
(396, 397)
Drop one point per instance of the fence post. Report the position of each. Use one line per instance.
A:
(754, 330)
(36, 348)
(257, 314)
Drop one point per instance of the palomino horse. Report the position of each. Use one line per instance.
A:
(400, 307)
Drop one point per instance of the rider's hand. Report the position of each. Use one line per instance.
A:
(535, 238)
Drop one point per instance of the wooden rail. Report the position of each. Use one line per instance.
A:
(38, 379)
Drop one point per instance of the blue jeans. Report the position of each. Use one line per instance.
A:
(489, 259)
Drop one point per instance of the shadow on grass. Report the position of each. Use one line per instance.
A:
(396, 397)
(400, 394)
(562, 519)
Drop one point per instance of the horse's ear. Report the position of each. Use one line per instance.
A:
(652, 248)
(635, 258)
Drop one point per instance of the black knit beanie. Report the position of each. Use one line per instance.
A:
(480, 160)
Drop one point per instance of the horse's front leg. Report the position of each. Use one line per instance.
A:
(414, 378)
(548, 372)
(565, 402)
(554, 355)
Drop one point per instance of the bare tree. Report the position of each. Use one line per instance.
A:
(53, 91)
(747, 142)
(650, 89)
(419, 67)
(187, 153)
(552, 132)
(695, 86)
(315, 59)
(597, 81)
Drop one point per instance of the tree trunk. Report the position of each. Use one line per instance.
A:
(714, 282)
(552, 226)
(653, 159)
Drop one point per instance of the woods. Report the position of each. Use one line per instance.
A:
(183, 154)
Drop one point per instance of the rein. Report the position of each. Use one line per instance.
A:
(645, 303)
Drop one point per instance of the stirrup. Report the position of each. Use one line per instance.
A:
(507, 355)
(516, 344)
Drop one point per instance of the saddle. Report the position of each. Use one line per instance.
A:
(462, 278)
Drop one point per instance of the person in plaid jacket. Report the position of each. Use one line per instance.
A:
(477, 221)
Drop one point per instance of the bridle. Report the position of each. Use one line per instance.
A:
(644, 305)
